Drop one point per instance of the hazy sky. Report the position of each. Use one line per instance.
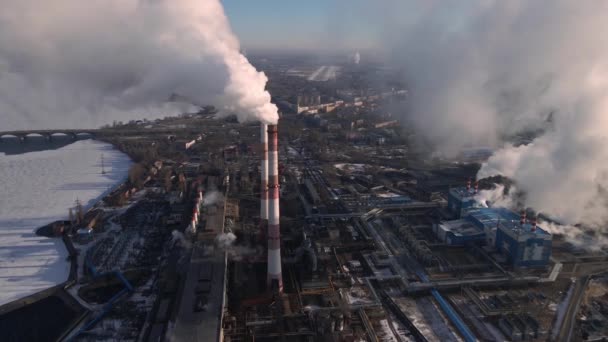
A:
(293, 25)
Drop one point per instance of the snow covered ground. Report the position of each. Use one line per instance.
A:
(324, 73)
(37, 188)
(360, 168)
(428, 318)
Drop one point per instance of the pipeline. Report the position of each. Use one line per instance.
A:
(128, 288)
(390, 303)
(448, 310)
(453, 316)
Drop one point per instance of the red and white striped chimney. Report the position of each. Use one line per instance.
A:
(468, 184)
(523, 217)
(275, 277)
(476, 186)
(534, 223)
(264, 179)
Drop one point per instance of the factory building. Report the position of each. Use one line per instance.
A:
(312, 192)
(477, 225)
(487, 220)
(461, 198)
(518, 242)
(459, 232)
(523, 245)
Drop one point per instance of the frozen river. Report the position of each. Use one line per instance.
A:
(38, 188)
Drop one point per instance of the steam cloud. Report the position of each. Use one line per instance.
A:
(78, 63)
(225, 240)
(177, 236)
(496, 197)
(482, 71)
(212, 197)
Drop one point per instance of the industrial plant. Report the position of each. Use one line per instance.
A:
(331, 223)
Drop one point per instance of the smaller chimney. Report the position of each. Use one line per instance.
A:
(476, 186)
(469, 185)
(534, 222)
(523, 217)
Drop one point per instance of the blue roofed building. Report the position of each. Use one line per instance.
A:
(524, 245)
(460, 199)
(459, 232)
(487, 220)
(477, 225)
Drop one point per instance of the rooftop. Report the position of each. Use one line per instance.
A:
(462, 192)
(462, 227)
(507, 219)
(489, 217)
(517, 230)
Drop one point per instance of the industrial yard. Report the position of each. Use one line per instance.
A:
(332, 225)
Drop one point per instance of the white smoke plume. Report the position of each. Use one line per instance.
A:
(496, 197)
(177, 236)
(225, 240)
(212, 197)
(482, 71)
(577, 236)
(86, 63)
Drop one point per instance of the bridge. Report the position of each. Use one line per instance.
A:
(74, 134)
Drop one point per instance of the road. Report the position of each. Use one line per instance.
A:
(565, 331)
(202, 297)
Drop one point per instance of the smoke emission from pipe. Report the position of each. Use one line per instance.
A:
(357, 57)
(481, 71)
(88, 63)
(177, 236)
(496, 197)
(225, 240)
(212, 197)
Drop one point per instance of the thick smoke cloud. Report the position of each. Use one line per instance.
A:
(497, 197)
(85, 63)
(482, 71)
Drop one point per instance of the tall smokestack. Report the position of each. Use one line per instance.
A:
(275, 279)
(264, 179)
(534, 223)
(468, 184)
(523, 217)
(476, 186)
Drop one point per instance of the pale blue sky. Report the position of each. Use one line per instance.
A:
(298, 24)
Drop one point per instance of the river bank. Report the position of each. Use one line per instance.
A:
(38, 188)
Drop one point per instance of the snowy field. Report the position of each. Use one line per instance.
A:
(37, 188)
(324, 73)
